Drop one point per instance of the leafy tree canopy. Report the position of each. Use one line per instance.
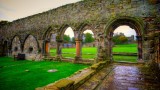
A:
(88, 38)
(120, 38)
(66, 38)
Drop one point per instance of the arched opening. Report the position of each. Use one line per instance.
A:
(124, 44)
(16, 46)
(89, 49)
(68, 50)
(132, 23)
(30, 47)
(51, 45)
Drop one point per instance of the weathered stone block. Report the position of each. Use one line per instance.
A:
(63, 84)
(151, 43)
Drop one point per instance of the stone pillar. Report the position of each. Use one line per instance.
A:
(46, 48)
(40, 46)
(59, 50)
(157, 48)
(110, 46)
(78, 50)
(139, 39)
(102, 50)
(107, 48)
(145, 49)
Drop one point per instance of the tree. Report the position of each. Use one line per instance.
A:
(123, 39)
(73, 40)
(88, 38)
(66, 38)
(120, 38)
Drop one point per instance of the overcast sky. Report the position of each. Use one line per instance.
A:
(15, 9)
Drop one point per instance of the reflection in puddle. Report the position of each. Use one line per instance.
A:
(125, 77)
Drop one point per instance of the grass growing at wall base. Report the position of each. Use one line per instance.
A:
(13, 74)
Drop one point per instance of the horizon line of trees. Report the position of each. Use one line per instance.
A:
(87, 38)
(120, 38)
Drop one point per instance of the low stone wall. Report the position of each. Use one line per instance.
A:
(76, 80)
(125, 54)
(83, 61)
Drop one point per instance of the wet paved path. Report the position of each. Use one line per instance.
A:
(122, 77)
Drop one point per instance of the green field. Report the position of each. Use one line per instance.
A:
(87, 53)
(130, 48)
(125, 58)
(91, 52)
(13, 74)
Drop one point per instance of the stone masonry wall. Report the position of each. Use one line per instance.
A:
(30, 48)
(16, 46)
(93, 13)
(87, 11)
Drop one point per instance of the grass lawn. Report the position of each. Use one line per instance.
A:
(130, 48)
(125, 58)
(90, 53)
(14, 77)
(87, 53)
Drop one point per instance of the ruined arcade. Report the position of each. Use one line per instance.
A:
(31, 35)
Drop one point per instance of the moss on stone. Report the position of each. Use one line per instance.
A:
(98, 65)
(63, 83)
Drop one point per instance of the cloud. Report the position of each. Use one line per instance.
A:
(22, 8)
(3, 16)
(69, 32)
(6, 8)
(126, 30)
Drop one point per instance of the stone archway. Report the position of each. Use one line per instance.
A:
(133, 23)
(16, 46)
(60, 41)
(79, 39)
(48, 40)
(31, 48)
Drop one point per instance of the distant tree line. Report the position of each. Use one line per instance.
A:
(88, 38)
(120, 38)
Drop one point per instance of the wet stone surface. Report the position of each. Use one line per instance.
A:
(129, 77)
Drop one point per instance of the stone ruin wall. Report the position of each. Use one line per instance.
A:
(92, 12)
(95, 13)
(31, 48)
(16, 46)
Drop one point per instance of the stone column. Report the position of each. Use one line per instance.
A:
(78, 50)
(139, 39)
(59, 50)
(44, 48)
(107, 48)
(102, 50)
(40, 46)
(157, 47)
(158, 53)
(110, 46)
(145, 49)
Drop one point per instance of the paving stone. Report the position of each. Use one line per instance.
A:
(121, 77)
